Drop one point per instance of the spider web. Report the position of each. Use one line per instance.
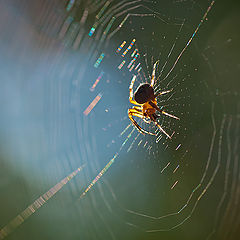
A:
(156, 184)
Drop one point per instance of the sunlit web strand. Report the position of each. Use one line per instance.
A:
(154, 13)
(197, 187)
(107, 166)
(134, 140)
(125, 129)
(171, 50)
(31, 209)
(208, 184)
(226, 179)
(110, 13)
(118, 12)
(227, 216)
(132, 15)
(235, 222)
(190, 40)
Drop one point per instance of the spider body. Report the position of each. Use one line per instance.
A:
(146, 104)
(144, 93)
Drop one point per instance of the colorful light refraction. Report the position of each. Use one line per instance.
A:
(97, 81)
(121, 46)
(31, 209)
(129, 47)
(99, 60)
(92, 104)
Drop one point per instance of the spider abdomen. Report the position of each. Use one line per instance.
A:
(144, 93)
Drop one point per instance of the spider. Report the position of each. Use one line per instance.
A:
(145, 99)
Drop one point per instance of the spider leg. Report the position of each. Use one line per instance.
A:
(131, 92)
(162, 93)
(154, 73)
(161, 111)
(138, 108)
(148, 121)
(133, 112)
(169, 115)
(161, 129)
(144, 118)
(153, 118)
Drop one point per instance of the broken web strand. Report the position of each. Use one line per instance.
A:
(36, 205)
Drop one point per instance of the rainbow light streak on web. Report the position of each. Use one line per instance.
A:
(131, 68)
(137, 66)
(135, 139)
(121, 64)
(31, 209)
(134, 59)
(92, 104)
(92, 30)
(134, 52)
(107, 166)
(139, 142)
(121, 46)
(129, 47)
(97, 81)
(126, 128)
(97, 63)
(130, 64)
